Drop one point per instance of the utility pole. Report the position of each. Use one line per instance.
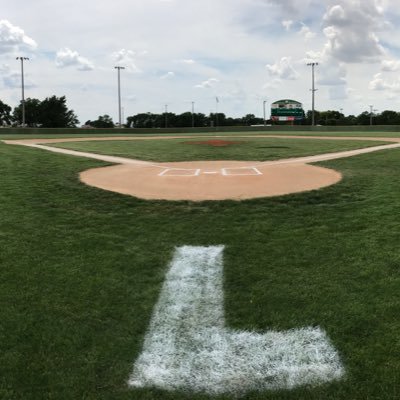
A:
(313, 90)
(166, 115)
(22, 59)
(192, 114)
(119, 94)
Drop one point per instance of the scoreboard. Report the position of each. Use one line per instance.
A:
(287, 110)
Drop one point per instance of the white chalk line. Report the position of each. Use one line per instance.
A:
(188, 347)
(180, 172)
(184, 172)
(139, 163)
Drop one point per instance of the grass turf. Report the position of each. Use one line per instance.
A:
(81, 271)
(251, 149)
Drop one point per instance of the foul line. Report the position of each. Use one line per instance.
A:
(188, 347)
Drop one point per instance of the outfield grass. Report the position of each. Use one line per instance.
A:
(251, 149)
(81, 271)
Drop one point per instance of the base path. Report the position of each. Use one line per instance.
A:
(209, 180)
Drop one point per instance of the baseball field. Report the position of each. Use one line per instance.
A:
(110, 295)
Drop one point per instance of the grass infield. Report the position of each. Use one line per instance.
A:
(81, 270)
(246, 149)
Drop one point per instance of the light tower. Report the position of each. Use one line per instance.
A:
(313, 90)
(371, 113)
(264, 103)
(119, 93)
(22, 59)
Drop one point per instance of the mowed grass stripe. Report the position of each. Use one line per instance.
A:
(81, 270)
(247, 149)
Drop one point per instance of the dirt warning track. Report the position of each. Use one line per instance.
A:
(208, 180)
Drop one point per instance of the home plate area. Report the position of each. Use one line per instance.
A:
(209, 180)
(243, 171)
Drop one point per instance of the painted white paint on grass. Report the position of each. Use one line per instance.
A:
(188, 347)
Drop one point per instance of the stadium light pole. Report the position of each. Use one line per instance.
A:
(371, 107)
(216, 111)
(313, 90)
(192, 114)
(22, 59)
(264, 103)
(166, 115)
(118, 68)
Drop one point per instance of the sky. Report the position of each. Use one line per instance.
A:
(176, 52)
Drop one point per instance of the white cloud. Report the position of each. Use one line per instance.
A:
(332, 73)
(209, 83)
(306, 32)
(188, 61)
(292, 7)
(69, 58)
(14, 38)
(168, 75)
(272, 85)
(126, 58)
(378, 83)
(283, 69)
(351, 29)
(287, 24)
(12, 78)
(390, 65)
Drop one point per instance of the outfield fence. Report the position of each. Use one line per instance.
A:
(222, 129)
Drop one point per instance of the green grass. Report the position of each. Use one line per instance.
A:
(252, 149)
(81, 270)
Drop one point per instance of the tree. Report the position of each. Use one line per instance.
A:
(103, 121)
(142, 120)
(308, 117)
(217, 119)
(184, 120)
(364, 118)
(32, 112)
(388, 117)
(251, 119)
(5, 114)
(54, 113)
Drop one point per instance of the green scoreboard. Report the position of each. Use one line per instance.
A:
(287, 110)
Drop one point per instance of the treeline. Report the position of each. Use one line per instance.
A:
(171, 120)
(333, 118)
(52, 112)
(187, 119)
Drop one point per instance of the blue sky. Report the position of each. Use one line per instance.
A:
(179, 51)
